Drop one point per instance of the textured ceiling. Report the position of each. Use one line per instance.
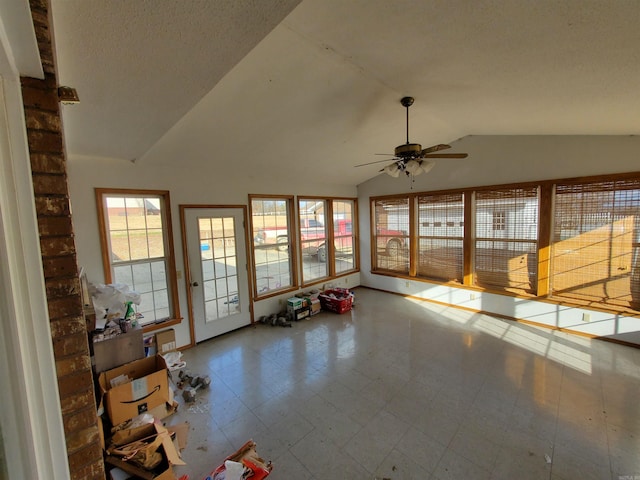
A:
(317, 86)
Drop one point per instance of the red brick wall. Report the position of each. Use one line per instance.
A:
(60, 270)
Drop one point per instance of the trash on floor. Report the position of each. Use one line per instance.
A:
(243, 464)
(149, 451)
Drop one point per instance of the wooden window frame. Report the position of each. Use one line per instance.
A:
(546, 197)
(355, 237)
(292, 246)
(304, 240)
(172, 282)
(409, 250)
(329, 224)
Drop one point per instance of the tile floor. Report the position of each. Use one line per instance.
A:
(402, 389)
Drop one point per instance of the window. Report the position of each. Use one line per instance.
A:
(137, 249)
(391, 235)
(345, 239)
(313, 239)
(595, 254)
(273, 244)
(440, 236)
(507, 257)
(499, 220)
(588, 253)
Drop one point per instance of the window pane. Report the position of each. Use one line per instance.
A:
(119, 241)
(441, 232)
(506, 247)
(596, 243)
(391, 235)
(271, 248)
(142, 278)
(156, 243)
(344, 235)
(313, 239)
(123, 274)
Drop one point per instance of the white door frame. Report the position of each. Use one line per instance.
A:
(188, 274)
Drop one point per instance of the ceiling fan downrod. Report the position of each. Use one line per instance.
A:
(408, 150)
(407, 102)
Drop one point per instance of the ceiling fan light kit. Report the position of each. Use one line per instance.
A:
(393, 170)
(411, 158)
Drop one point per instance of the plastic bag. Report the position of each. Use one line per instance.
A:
(110, 301)
(174, 360)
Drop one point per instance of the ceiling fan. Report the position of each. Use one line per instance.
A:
(411, 158)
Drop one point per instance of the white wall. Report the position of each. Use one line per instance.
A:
(225, 184)
(495, 160)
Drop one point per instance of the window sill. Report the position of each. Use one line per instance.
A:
(152, 327)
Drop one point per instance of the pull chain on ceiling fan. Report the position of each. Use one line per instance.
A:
(410, 158)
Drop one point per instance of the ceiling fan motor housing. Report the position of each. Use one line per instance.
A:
(408, 150)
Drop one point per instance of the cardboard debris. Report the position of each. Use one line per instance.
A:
(169, 450)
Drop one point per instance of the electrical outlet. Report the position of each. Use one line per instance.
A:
(586, 317)
(178, 274)
(345, 280)
(472, 296)
(407, 284)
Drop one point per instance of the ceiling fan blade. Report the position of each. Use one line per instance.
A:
(377, 161)
(446, 155)
(435, 148)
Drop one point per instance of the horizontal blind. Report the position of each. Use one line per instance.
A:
(440, 236)
(595, 246)
(391, 234)
(506, 239)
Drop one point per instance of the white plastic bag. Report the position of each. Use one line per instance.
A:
(110, 301)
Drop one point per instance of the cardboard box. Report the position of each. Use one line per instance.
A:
(301, 313)
(166, 341)
(145, 386)
(293, 304)
(116, 351)
(316, 307)
(169, 451)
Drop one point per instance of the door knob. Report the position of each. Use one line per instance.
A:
(195, 284)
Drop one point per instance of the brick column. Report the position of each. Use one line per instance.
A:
(60, 270)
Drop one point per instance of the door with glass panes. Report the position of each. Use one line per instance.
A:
(218, 279)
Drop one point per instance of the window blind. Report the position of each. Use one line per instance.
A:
(506, 239)
(440, 236)
(391, 234)
(595, 244)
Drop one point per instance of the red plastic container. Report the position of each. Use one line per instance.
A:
(337, 300)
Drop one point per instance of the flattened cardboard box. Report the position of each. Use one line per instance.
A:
(148, 388)
(169, 451)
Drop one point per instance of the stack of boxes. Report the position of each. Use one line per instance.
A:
(127, 391)
(297, 308)
(304, 305)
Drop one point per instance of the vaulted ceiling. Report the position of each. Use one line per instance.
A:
(314, 85)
